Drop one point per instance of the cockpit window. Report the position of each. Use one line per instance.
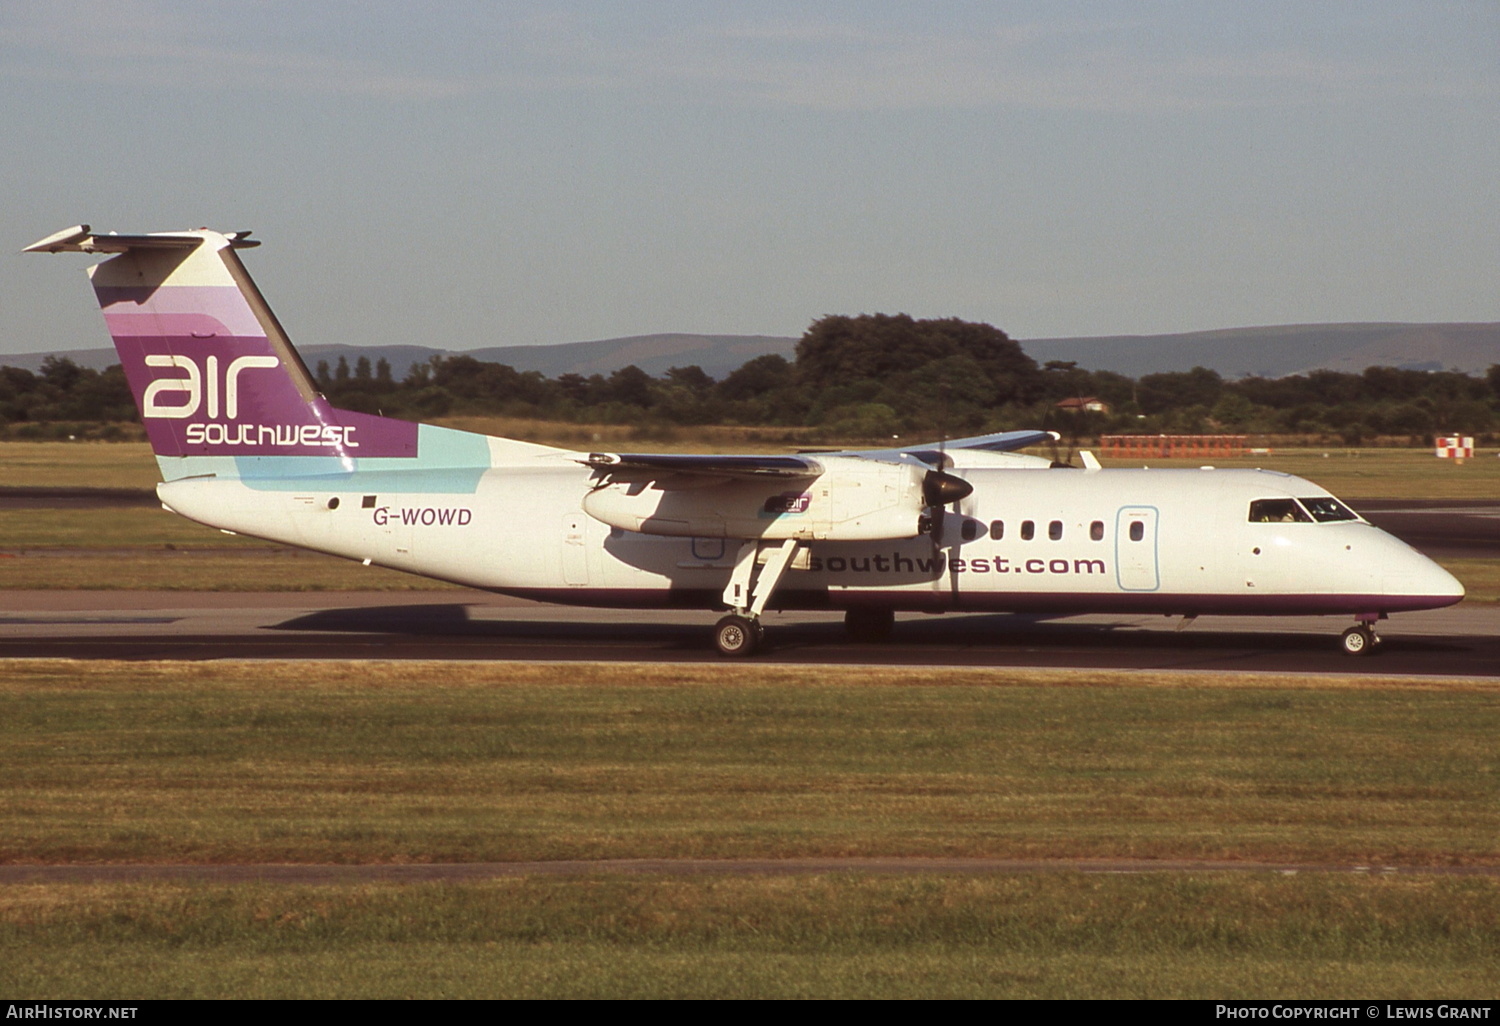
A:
(1278, 511)
(1326, 509)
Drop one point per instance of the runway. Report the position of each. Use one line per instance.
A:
(1462, 642)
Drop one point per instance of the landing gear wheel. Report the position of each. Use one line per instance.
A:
(1359, 641)
(869, 625)
(738, 636)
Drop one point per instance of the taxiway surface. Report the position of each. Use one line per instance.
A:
(1463, 642)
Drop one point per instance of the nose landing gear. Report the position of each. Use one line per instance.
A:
(1360, 640)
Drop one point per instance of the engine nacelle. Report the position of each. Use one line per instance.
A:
(852, 500)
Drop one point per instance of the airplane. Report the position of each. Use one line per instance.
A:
(246, 443)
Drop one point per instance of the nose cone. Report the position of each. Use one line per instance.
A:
(1433, 582)
(1413, 580)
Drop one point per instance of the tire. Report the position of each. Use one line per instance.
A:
(1358, 641)
(737, 636)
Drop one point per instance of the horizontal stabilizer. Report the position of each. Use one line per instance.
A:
(81, 239)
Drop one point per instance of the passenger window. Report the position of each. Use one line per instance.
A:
(1028, 530)
(1054, 530)
(970, 530)
(997, 529)
(1278, 511)
(1096, 530)
(1137, 530)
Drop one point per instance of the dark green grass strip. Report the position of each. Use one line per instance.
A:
(1158, 935)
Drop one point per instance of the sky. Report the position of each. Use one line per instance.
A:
(477, 174)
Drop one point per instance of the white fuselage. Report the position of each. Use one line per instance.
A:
(247, 443)
(1163, 541)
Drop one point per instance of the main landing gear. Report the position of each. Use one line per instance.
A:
(740, 633)
(1360, 640)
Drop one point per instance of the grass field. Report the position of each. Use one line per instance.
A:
(234, 762)
(357, 762)
(77, 465)
(1053, 936)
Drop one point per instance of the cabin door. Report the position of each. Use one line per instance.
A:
(1136, 562)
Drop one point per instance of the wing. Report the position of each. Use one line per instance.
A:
(931, 453)
(641, 467)
(633, 467)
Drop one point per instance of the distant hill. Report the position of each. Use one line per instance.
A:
(1233, 352)
(1276, 351)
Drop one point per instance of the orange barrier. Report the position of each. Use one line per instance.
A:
(1165, 446)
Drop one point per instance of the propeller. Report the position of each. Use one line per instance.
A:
(939, 488)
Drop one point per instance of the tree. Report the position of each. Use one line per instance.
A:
(61, 373)
(756, 377)
(837, 350)
(631, 386)
(1177, 390)
(693, 378)
(575, 388)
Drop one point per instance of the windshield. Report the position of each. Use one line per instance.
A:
(1278, 511)
(1326, 508)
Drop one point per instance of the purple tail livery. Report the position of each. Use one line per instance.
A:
(212, 372)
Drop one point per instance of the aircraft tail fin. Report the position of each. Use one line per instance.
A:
(211, 370)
